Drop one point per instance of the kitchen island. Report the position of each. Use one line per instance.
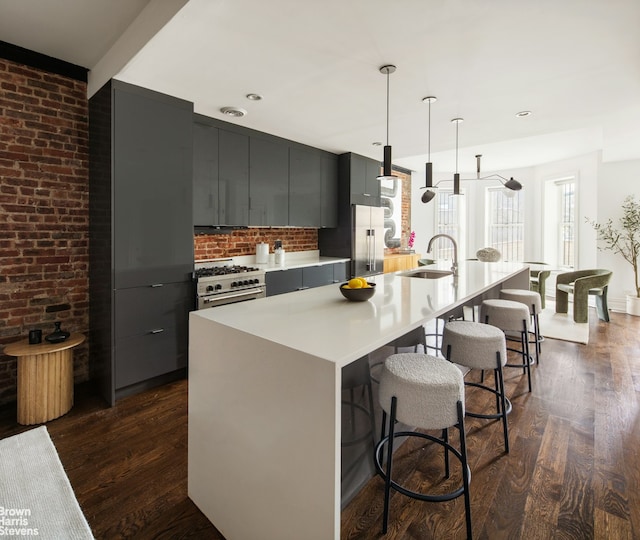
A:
(265, 394)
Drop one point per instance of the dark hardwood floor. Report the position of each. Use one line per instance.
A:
(573, 470)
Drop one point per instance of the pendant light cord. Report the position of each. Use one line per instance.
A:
(457, 124)
(429, 133)
(387, 107)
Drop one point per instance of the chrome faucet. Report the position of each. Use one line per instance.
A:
(454, 267)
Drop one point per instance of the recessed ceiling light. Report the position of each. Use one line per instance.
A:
(522, 114)
(236, 112)
(254, 97)
(377, 143)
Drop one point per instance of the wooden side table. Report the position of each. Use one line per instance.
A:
(45, 378)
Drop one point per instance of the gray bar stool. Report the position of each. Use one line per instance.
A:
(480, 346)
(425, 392)
(512, 318)
(533, 301)
(410, 340)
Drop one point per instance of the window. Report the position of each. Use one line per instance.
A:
(566, 222)
(506, 222)
(559, 226)
(448, 221)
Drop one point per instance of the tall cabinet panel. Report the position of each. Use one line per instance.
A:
(305, 185)
(141, 226)
(153, 154)
(329, 195)
(268, 182)
(205, 175)
(233, 178)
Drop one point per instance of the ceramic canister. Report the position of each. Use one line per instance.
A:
(262, 253)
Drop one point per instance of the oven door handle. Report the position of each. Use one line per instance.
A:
(246, 292)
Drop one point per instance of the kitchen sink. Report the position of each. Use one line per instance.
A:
(429, 274)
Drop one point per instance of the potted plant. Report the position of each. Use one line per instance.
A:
(625, 240)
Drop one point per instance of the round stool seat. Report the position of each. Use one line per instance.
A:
(531, 299)
(428, 389)
(507, 315)
(475, 344)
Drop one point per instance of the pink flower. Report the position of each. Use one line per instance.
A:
(412, 238)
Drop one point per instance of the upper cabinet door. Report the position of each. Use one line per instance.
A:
(233, 178)
(305, 187)
(365, 186)
(205, 175)
(329, 194)
(152, 189)
(268, 182)
(372, 183)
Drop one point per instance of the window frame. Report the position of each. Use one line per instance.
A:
(518, 228)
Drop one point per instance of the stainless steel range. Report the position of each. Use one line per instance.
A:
(220, 284)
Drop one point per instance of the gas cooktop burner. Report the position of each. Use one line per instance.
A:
(224, 270)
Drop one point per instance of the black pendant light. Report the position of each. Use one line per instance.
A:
(386, 164)
(428, 170)
(456, 176)
(427, 196)
(511, 184)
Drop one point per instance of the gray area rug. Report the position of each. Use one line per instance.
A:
(36, 498)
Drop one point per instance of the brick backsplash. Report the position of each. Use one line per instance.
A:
(44, 217)
(243, 242)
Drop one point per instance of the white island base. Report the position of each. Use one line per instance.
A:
(265, 394)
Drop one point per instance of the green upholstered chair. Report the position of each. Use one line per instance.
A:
(581, 284)
(537, 282)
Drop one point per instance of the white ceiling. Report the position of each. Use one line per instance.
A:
(575, 64)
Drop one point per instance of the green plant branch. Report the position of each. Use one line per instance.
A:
(625, 238)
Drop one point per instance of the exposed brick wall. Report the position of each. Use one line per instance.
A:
(243, 242)
(44, 218)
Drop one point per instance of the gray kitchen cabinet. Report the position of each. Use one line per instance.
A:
(341, 272)
(152, 309)
(220, 174)
(244, 177)
(152, 150)
(141, 229)
(283, 281)
(268, 181)
(363, 179)
(358, 185)
(305, 186)
(206, 205)
(329, 192)
(297, 279)
(317, 276)
(233, 178)
(313, 187)
(140, 358)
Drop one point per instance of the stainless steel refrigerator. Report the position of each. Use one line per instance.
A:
(367, 240)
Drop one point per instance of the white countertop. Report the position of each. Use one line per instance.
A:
(321, 322)
(294, 259)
